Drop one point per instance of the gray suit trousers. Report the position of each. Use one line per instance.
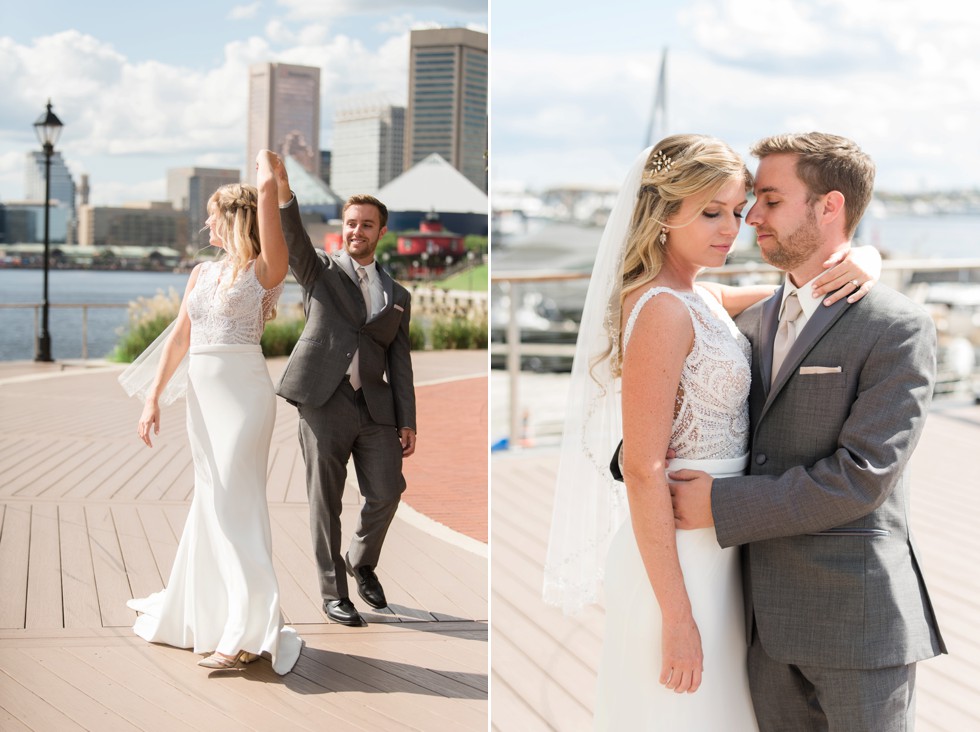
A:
(329, 435)
(795, 698)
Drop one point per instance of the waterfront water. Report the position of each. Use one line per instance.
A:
(925, 237)
(79, 286)
(901, 237)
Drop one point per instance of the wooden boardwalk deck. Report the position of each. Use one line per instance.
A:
(89, 518)
(544, 663)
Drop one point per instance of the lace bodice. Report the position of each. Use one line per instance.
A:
(711, 415)
(235, 314)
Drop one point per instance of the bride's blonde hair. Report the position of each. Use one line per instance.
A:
(678, 167)
(236, 222)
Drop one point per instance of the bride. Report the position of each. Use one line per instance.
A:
(222, 595)
(660, 362)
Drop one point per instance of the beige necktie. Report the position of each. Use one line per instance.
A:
(362, 281)
(786, 333)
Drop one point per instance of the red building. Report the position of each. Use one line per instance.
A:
(431, 249)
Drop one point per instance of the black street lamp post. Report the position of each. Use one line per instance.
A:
(48, 128)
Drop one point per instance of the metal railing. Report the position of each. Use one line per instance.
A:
(84, 306)
(897, 274)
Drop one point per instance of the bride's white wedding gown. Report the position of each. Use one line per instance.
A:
(710, 433)
(222, 593)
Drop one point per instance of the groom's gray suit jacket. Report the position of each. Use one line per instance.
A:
(336, 327)
(830, 569)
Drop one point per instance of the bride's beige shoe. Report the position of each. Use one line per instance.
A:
(220, 661)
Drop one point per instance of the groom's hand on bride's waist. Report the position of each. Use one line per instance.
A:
(690, 494)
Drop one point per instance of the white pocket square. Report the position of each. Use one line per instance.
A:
(805, 370)
(400, 309)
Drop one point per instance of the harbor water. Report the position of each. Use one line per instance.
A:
(898, 237)
(80, 286)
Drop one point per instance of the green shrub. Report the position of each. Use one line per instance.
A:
(148, 317)
(482, 338)
(459, 333)
(281, 336)
(416, 335)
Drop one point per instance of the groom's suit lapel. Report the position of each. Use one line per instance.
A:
(343, 270)
(389, 287)
(344, 278)
(816, 326)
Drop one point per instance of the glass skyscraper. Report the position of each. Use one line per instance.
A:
(447, 100)
(284, 114)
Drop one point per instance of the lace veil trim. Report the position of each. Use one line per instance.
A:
(590, 505)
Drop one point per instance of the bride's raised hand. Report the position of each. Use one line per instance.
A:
(683, 661)
(149, 420)
(850, 273)
(266, 163)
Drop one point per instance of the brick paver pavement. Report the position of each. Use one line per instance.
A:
(452, 422)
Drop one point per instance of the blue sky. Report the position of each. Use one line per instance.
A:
(143, 87)
(902, 78)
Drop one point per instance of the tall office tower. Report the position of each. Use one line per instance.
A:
(189, 189)
(368, 145)
(447, 100)
(325, 157)
(284, 114)
(62, 186)
(83, 190)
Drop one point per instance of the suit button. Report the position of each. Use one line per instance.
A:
(760, 459)
(350, 355)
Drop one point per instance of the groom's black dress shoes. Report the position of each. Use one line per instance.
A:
(343, 611)
(368, 586)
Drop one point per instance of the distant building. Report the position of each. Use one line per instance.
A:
(432, 248)
(447, 100)
(431, 238)
(319, 206)
(24, 222)
(326, 158)
(316, 199)
(62, 185)
(153, 224)
(368, 146)
(73, 255)
(433, 185)
(82, 191)
(284, 114)
(188, 189)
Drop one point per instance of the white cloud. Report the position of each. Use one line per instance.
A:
(306, 10)
(137, 119)
(398, 24)
(901, 79)
(244, 12)
(742, 28)
(12, 172)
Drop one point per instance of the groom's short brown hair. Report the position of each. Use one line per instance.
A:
(363, 199)
(828, 163)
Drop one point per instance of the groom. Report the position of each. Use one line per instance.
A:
(350, 377)
(836, 607)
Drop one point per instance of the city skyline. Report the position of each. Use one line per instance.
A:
(150, 90)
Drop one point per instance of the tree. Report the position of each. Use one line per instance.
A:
(474, 243)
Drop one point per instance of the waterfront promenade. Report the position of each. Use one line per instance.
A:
(544, 663)
(90, 517)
